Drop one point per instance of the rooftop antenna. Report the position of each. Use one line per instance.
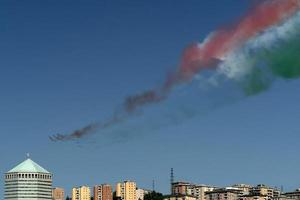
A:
(153, 185)
(172, 179)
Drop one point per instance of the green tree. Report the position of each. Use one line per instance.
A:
(154, 196)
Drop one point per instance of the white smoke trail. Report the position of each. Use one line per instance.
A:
(241, 61)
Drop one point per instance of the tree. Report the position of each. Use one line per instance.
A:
(115, 196)
(154, 196)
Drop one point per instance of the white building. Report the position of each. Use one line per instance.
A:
(140, 193)
(28, 181)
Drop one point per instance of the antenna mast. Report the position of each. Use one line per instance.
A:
(172, 179)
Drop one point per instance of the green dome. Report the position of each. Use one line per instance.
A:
(28, 166)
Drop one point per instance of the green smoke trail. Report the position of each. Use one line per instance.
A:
(285, 60)
(256, 82)
(282, 61)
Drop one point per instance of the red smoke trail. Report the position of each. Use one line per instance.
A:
(198, 57)
(221, 42)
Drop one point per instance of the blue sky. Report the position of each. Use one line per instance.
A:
(64, 64)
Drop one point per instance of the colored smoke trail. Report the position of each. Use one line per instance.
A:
(240, 52)
(224, 41)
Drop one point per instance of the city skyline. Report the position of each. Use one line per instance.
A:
(68, 65)
(29, 171)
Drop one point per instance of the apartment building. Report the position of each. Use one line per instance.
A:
(126, 190)
(263, 190)
(245, 188)
(295, 195)
(103, 192)
(81, 193)
(197, 191)
(58, 194)
(140, 193)
(224, 194)
(179, 197)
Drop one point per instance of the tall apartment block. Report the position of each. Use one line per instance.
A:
(28, 180)
(81, 193)
(103, 192)
(126, 190)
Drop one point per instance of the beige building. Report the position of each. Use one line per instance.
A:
(252, 197)
(224, 194)
(58, 194)
(290, 195)
(126, 190)
(81, 193)
(244, 187)
(197, 191)
(103, 192)
(263, 190)
(179, 197)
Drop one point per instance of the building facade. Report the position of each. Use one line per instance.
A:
(28, 181)
(103, 192)
(126, 190)
(58, 194)
(81, 193)
(179, 197)
(140, 193)
(224, 194)
(291, 195)
(197, 191)
(245, 188)
(252, 197)
(263, 190)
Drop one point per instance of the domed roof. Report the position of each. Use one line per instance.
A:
(28, 166)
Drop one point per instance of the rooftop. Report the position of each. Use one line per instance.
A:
(28, 166)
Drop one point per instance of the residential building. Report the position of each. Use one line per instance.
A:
(197, 191)
(262, 190)
(252, 197)
(28, 180)
(180, 188)
(81, 193)
(245, 188)
(179, 197)
(58, 194)
(103, 192)
(126, 190)
(140, 193)
(292, 195)
(229, 193)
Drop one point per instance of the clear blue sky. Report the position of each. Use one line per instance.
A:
(64, 64)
